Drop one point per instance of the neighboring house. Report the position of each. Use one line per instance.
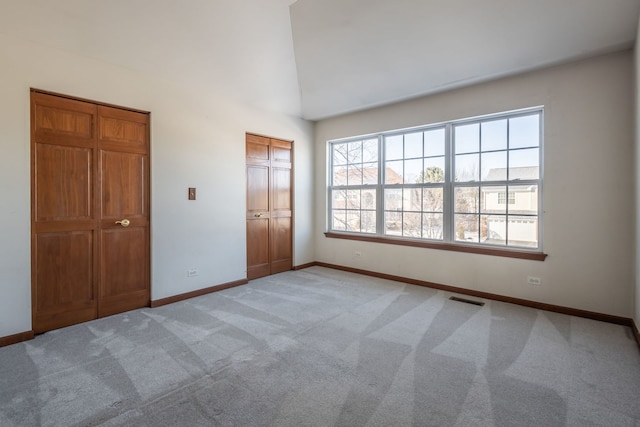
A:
(513, 205)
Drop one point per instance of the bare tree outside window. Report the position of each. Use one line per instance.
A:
(354, 171)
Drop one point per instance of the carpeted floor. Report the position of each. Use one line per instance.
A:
(320, 347)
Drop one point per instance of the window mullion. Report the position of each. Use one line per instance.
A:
(448, 186)
(380, 187)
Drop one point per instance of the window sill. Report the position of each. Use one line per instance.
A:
(508, 253)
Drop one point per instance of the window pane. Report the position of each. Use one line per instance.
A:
(412, 199)
(494, 166)
(467, 199)
(339, 175)
(524, 131)
(355, 152)
(494, 135)
(523, 231)
(369, 221)
(494, 200)
(524, 164)
(393, 199)
(339, 199)
(355, 175)
(393, 223)
(339, 221)
(370, 173)
(434, 142)
(353, 220)
(466, 228)
(368, 199)
(432, 199)
(339, 154)
(370, 150)
(393, 147)
(412, 224)
(494, 229)
(412, 171)
(412, 145)
(393, 172)
(467, 168)
(432, 226)
(525, 199)
(467, 138)
(353, 199)
(433, 170)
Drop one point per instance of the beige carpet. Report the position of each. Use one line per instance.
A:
(320, 347)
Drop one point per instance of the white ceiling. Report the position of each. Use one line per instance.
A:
(320, 58)
(353, 54)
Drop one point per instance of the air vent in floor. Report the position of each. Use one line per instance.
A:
(468, 301)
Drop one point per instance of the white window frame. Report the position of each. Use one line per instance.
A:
(448, 240)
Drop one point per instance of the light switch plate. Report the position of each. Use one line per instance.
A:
(192, 193)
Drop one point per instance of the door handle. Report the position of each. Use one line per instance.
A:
(258, 215)
(124, 222)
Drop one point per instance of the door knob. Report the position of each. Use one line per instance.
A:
(124, 222)
(258, 215)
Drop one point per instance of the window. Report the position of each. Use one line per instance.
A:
(502, 198)
(467, 182)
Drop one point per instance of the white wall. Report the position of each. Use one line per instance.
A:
(197, 140)
(587, 192)
(636, 56)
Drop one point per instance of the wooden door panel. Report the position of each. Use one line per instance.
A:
(64, 268)
(281, 248)
(257, 149)
(257, 189)
(258, 251)
(123, 184)
(64, 182)
(281, 189)
(49, 119)
(64, 279)
(123, 277)
(121, 129)
(69, 118)
(281, 152)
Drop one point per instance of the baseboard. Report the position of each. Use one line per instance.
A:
(618, 320)
(199, 292)
(636, 332)
(303, 266)
(14, 339)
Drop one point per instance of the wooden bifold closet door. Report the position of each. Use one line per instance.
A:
(269, 206)
(90, 210)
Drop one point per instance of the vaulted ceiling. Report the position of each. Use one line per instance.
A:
(320, 58)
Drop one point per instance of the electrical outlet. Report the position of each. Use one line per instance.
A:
(192, 272)
(358, 254)
(534, 280)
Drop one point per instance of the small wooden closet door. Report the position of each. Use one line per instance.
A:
(269, 206)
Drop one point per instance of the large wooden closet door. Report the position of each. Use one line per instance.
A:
(269, 206)
(89, 170)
